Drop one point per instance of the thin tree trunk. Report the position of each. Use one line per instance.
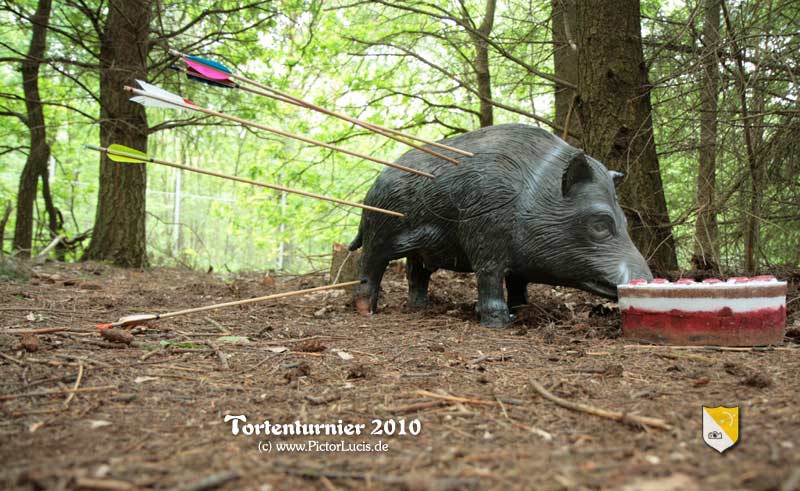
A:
(3, 221)
(706, 245)
(39, 153)
(481, 66)
(615, 111)
(565, 64)
(756, 187)
(119, 228)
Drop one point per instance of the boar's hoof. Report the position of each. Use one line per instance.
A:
(496, 319)
(419, 303)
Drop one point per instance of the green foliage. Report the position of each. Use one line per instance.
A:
(407, 68)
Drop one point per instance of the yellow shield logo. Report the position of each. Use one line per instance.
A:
(720, 427)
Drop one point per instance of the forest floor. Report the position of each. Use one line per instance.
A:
(149, 415)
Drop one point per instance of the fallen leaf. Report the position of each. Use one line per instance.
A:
(277, 349)
(30, 343)
(233, 339)
(344, 355)
(116, 335)
(310, 347)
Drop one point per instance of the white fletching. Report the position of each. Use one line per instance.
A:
(156, 97)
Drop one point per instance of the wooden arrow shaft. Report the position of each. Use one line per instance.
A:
(248, 181)
(280, 96)
(388, 132)
(371, 126)
(247, 301)
(239, 120)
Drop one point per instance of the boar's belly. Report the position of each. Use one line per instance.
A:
(450, 259)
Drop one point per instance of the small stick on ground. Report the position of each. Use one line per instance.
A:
(74, 387)
(223, 360)
(478, 402)
(211, 482)
(99, 388)
(104, 484)
(11, 359)
(614, 415)
(219, 326)
(46, 330)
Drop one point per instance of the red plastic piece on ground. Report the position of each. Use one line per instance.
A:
(100, 327)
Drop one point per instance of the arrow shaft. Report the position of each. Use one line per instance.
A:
(249, 181)
(251, 300)
(276, 131)
(371, 126)
(363, 124)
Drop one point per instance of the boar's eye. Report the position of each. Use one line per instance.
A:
(602, 226)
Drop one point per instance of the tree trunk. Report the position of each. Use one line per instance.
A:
(119, 227)
(39, 153)
(615, 112)
(565, 64)
(482, 72)
(753, 217)
(706, 244)
(3, 221)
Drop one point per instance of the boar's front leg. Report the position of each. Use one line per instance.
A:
(492, 307)
(418, 278)
(517, 292)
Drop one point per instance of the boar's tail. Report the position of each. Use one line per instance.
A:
(356, 242)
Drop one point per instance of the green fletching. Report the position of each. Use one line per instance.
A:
(121, 153)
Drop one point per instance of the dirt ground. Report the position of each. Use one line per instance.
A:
(149, 415)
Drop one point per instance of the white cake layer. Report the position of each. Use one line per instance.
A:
(737, 305)
(728, 285)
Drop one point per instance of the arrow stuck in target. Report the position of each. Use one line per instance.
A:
(152, 96)
(126, 155)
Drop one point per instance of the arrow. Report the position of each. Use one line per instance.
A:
(138, 319)
(193, 74)
(153, 96)
(216, 71)
(123, 154)
(163, 98)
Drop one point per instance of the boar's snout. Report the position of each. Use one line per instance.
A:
(632, 268)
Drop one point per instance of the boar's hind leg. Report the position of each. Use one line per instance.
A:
(372, 269)
(517, 292)
(492, 307)
(418, 278)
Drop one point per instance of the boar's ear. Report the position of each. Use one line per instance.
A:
(578, 171)
(617, 177)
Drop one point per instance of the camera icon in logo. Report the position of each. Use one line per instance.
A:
(715, 435)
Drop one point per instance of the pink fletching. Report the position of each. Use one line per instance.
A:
(685, 281)
(207, 71)
(640, 281)
(660, 281)
(712, 281)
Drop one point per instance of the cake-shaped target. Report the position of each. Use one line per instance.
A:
(736, 312)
